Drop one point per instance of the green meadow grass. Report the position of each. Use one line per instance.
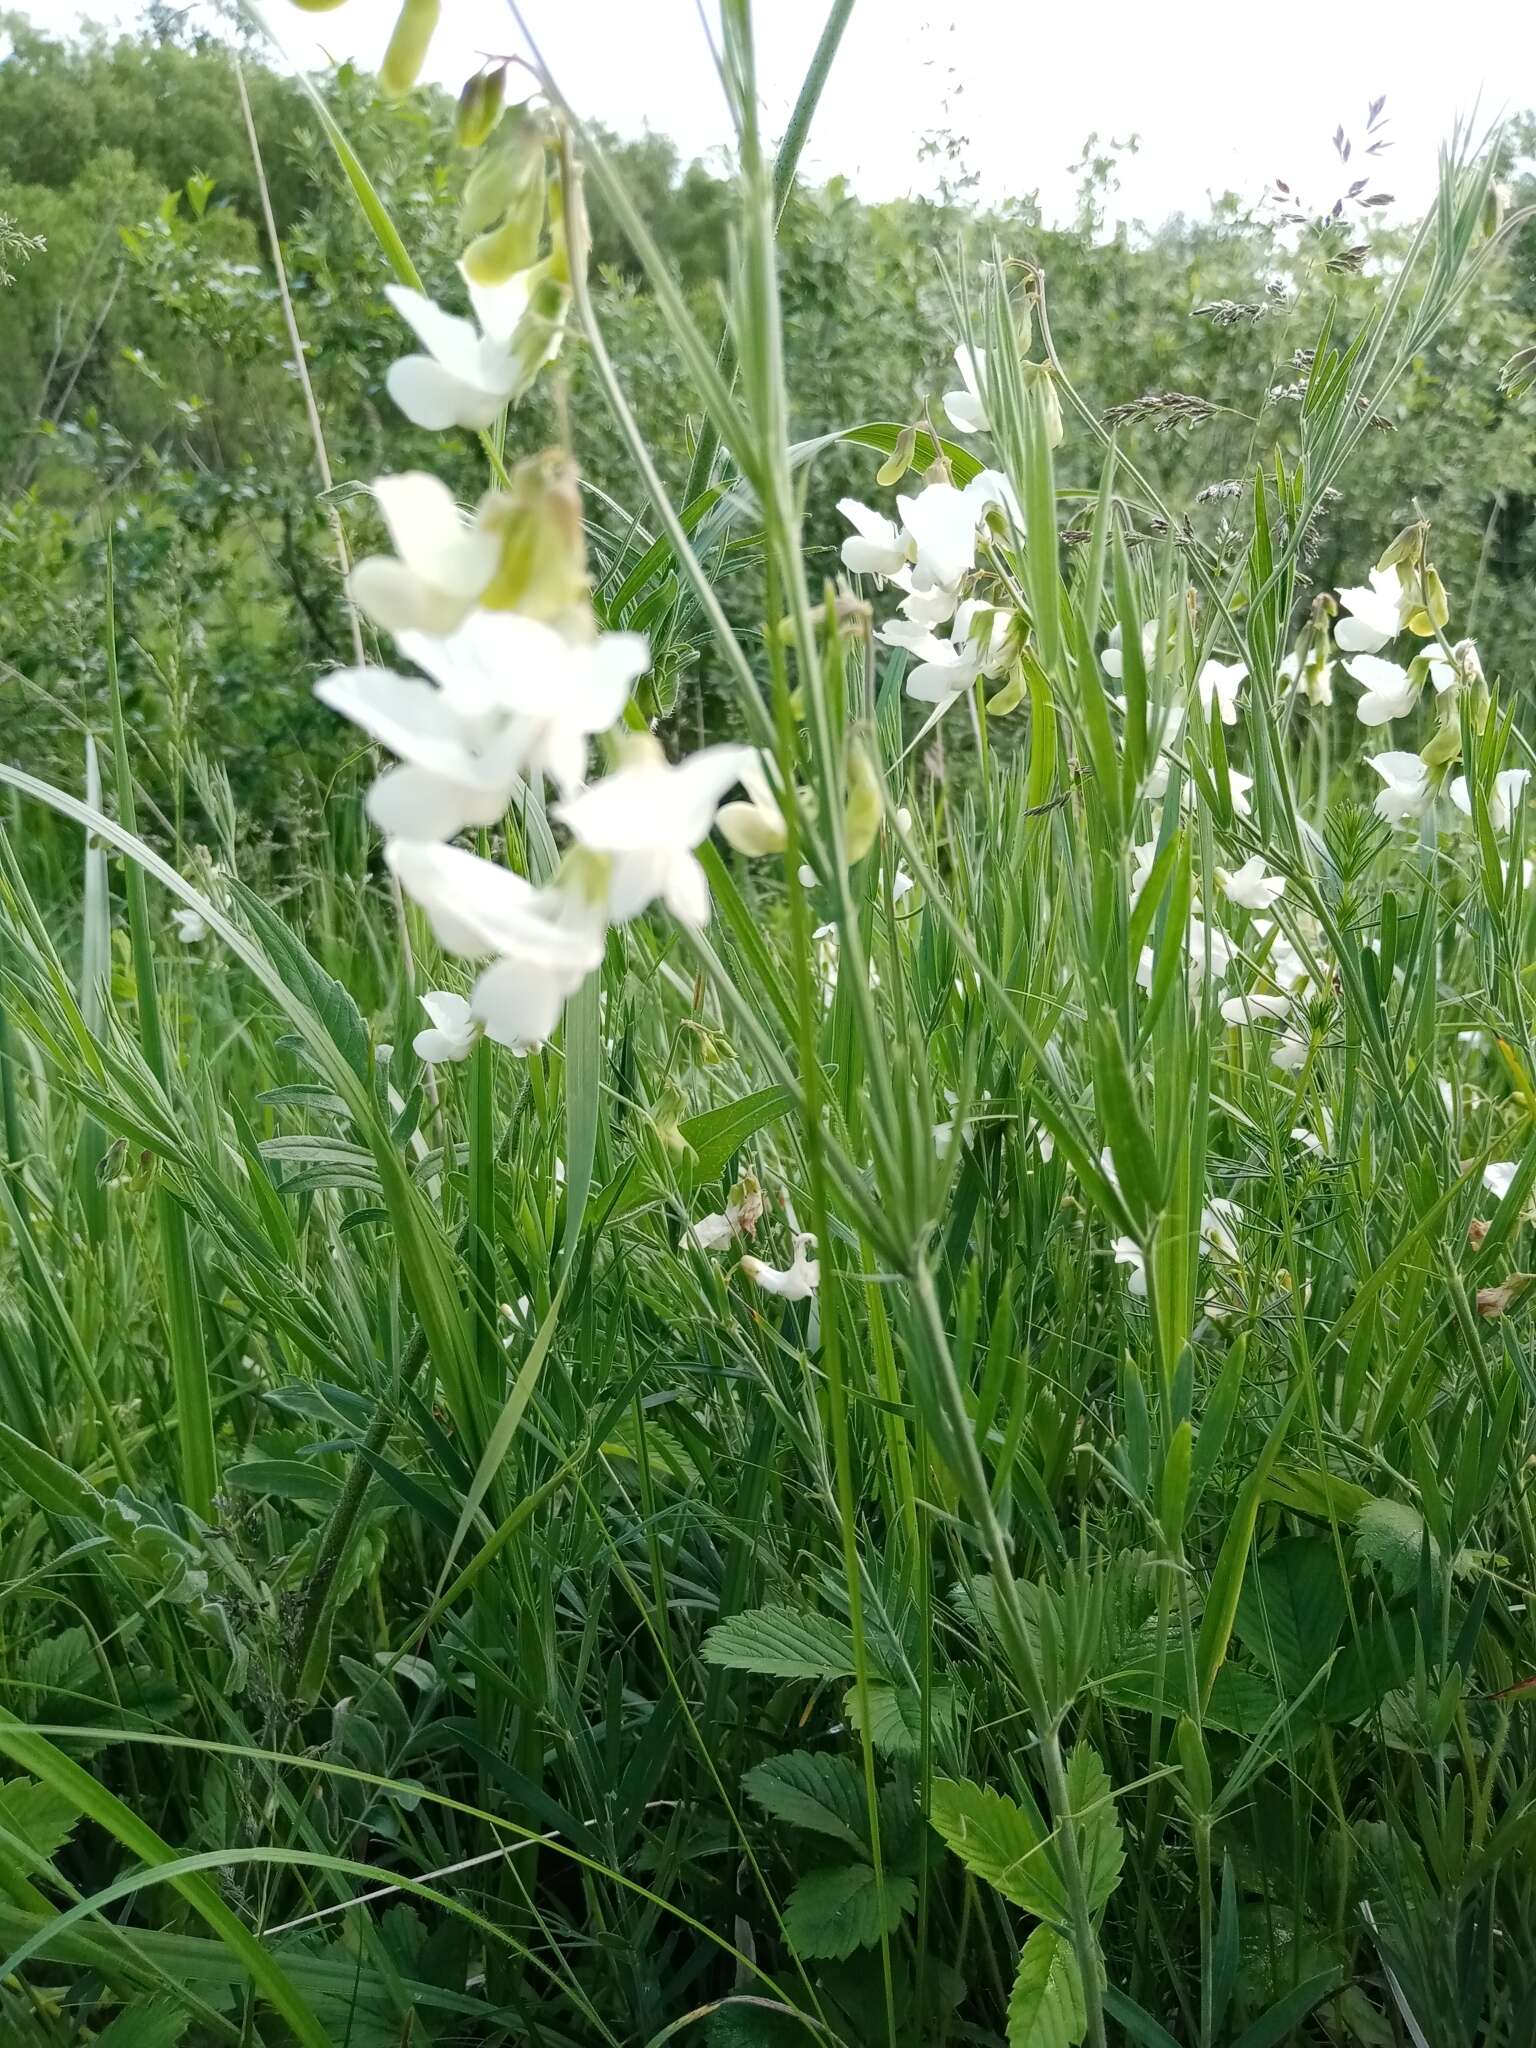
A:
(440, 1603)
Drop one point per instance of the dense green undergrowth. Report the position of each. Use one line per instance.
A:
(942, 1455)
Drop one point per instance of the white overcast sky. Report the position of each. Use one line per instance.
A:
(1223, 94)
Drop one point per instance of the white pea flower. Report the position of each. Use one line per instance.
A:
(1251, 888)
(453, 1033)
(1378, 610)
(514, 698)
(1407, 792)
(902, 885)
(1221, 682)
(1128, 1253)
(1238, 787)
(1217, 1226)
(796, 1282)
(941, 522)
(543, 942)
(1142, 860)
(1309, 1141)
(443, 559)
(470, 370)
(190, 924)
(740, 1217)
(1312, 680)
(1388, 690)
(1258, 1006)
(648, 816)
(1499, 1177)
(805, 875)
(979, 647)
(876, 548)
(1044, 1140)
(756, 826)
(1282, 964)
(709, 1234)
(967, 409)
(1508, 787)
(1155, 786)
(1112, 660)
(1290, 1052)
(924, 608)
(989, 489)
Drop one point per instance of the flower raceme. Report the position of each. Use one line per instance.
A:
(510, 698)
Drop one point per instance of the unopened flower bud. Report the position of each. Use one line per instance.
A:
(899, 461)
(543, 564)
(480, 105)
(862, 806)
(415, 26)
(1037, 377)
(316, 6)
(1431, 608)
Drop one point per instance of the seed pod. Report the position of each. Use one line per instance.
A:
(480, 105)
(408, 45)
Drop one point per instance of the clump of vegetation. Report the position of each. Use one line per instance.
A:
(794, 1306)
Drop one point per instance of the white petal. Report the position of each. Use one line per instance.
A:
(432, 536)
(651, 805)
(498, 307)
(415, 803)
(437, 1046)
(449, 1012)
(477, 907)
(517, 1007)
(452, 340)
(687, 891)
(942, 523)
(433, 397)
(400, 601)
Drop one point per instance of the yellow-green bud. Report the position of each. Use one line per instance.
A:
(316, 6)
(415, 26)
(1405, 551)
(1037, 377)
(899, 461)
(1432, 609)
(498, 183)
(1010, 696)
(480, 105)
(543, 565)
(862, 806)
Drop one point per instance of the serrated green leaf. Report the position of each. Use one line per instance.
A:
(896, 1716)
(814, 1790)
(781, 1642)
(1045, 2008)
(1100, 1847)
(1000, 1842)
(830, 1913)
